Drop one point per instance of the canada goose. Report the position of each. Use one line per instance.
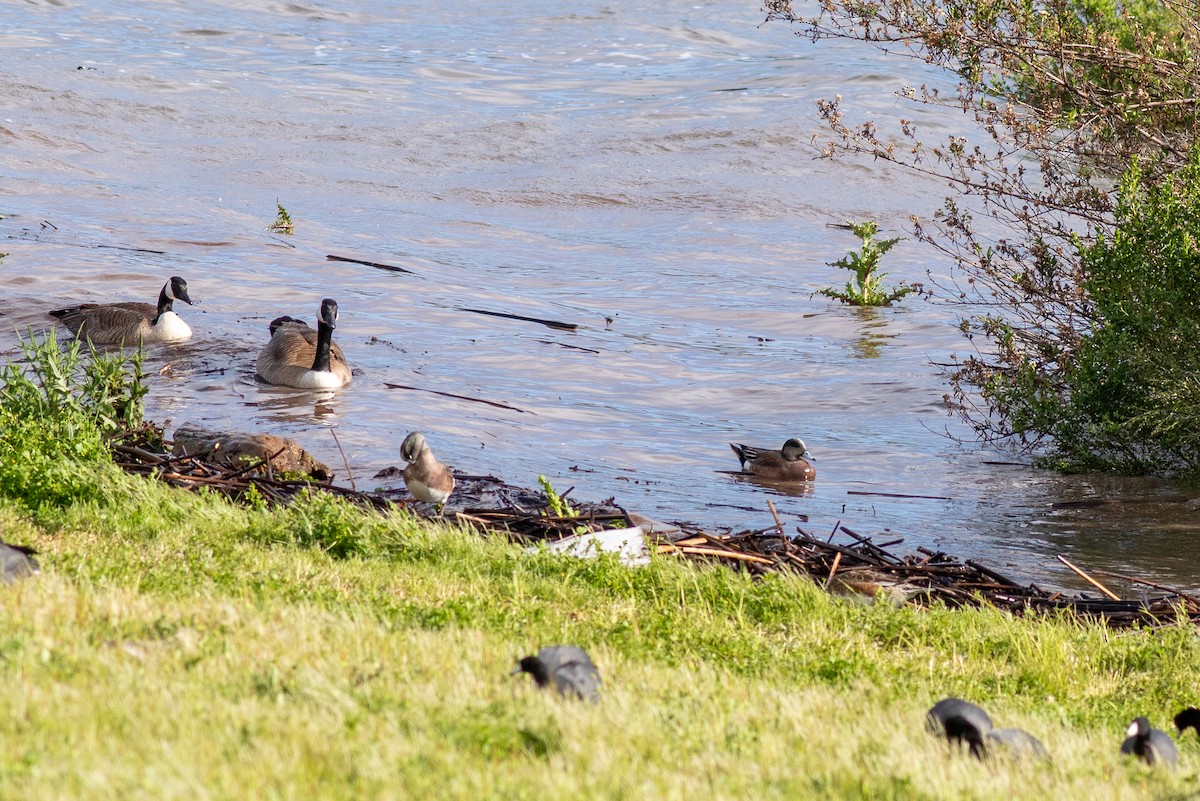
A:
(119, 323)
(566, 668)
(426, 478)
(787, 464)
(960, 721)
(1152, 746)
(298, 356)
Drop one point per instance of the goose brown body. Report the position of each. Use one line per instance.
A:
(130, 322)
(298, 356)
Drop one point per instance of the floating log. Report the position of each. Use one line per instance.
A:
(548, 323)
(377, 265)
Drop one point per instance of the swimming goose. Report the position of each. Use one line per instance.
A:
(120, 323)
(787, 464)
(426, 478)
(1152, 746)
(298, 356)
(566, 668)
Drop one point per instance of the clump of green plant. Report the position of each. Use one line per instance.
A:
(283, 221)
(317, 519)
(867, 288)
(58, 414)
(58, 383)
(558, 504)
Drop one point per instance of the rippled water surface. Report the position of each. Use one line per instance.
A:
(646, 171)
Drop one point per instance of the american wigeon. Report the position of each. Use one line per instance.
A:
(566, 668)
(298, 356)
(426, 478)
(786, 464)
(129, 323)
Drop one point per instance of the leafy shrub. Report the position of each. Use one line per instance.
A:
(57, 413)
(1127, 397)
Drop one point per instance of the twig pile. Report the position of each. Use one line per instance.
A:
(861, 566)
(924, 578)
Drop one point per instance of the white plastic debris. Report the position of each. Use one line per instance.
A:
(628, 543)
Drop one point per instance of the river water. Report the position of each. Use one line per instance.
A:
(645, 171)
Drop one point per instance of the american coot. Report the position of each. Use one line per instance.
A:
(426, 478)
(129, 323)
(16, 562)
(960, 721)
(1188, 718)
(567, 668)
(298, 356)
(787, 464)
(1018, 743)
(1152, 746)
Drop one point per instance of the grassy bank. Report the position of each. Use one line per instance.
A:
(178, 647)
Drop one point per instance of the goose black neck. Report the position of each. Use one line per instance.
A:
(164, 305)
(324, 340)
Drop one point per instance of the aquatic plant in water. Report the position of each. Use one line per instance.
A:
(867, 289)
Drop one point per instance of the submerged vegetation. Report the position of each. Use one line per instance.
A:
(283, 221)
(867, 288)
(178, 644)
(1072, 95)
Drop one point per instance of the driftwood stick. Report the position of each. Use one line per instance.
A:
(837, 560)
(741, 557)
(548, 323)
(1163, 587)
(497, 404)
(899, 495)
(1089, 579)
(987, 571)
(255, 466)
(389, 267)
(775, 514)
(345, 461)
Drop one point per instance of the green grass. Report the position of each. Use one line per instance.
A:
(176, 646)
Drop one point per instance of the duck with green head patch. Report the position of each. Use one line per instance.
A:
(790, 463)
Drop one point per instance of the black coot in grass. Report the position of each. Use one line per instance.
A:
(566, 668)
(1018, 743)
(16, 562)
(1152, 746)
(961, 722)
(1188, 718)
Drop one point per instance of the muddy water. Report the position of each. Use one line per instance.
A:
(645, 171)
